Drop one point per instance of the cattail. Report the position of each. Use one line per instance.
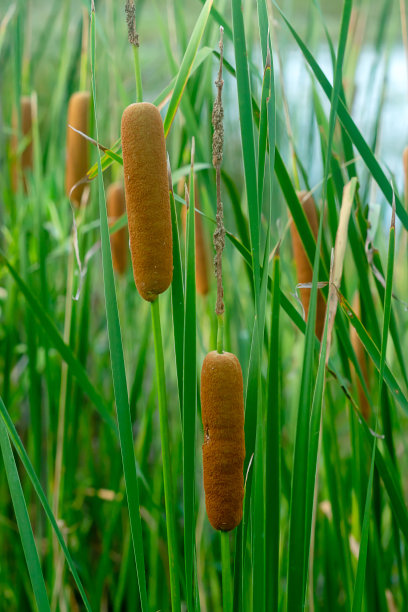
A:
(201, 263)
(77, 146)
(303, 268)
(147, 199)
(26, 132)
(361, 358)
(222, 411)
(116, 206)
(405, 163)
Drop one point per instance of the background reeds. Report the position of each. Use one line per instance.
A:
(102, 504)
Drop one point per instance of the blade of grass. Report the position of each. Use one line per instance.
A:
(362, 558)
(23, 522)
(63, 349)
(351, 128)
(177, 301)
(18, 445)
(272, 467)
(247, 138)
(189, 397)
(186, 65)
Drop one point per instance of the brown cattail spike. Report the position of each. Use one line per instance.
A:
(361, 358)
(26, 162)
(303, 268)
(222, 411)
(201, 264)
(147, 199)
(77, 146)
(116, 206)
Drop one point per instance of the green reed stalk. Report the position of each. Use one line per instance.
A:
(167, 477)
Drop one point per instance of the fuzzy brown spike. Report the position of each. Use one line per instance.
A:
(303, 268)
(116, 207)
(222, 412)
(147, 199)
(26, 131)
(77, 146)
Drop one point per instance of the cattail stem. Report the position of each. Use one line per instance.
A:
(138, 74)
(167, 476)
(226, 572)
(220, 333)
(133, 38)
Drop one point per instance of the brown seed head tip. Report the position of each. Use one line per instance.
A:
(147, 199)
(116, 207)
(77, 164)
(130, 11)
(222, 411)
(304, 270)
(26, 131)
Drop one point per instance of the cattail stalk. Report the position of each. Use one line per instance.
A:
(26, 159)
(201, 264)
(362, 362)
(116, 207)
(77, 163)
(303, 267)
(150, 235)
(222, 398)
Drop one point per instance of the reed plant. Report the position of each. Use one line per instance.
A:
(241, 449)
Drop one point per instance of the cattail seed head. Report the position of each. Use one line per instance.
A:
(77, 163)
(26, 132)
(303, 268)
(116, 207)
(201, 262)
(362, 362)
(222, 412)
(147, 199)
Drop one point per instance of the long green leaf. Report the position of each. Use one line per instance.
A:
(186, 65)
(23, 522)
(63, 349)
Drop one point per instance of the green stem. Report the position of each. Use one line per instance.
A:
(226, 572)
(220, 333)
(138, 75)
(167, 477)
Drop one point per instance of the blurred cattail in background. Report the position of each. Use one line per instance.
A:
(147, 199)
(201, 263)
(116, 207)
(77, 163)
(304, 270)
(26, 162)
(361, 358)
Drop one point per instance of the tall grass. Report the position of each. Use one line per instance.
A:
(96, 392)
